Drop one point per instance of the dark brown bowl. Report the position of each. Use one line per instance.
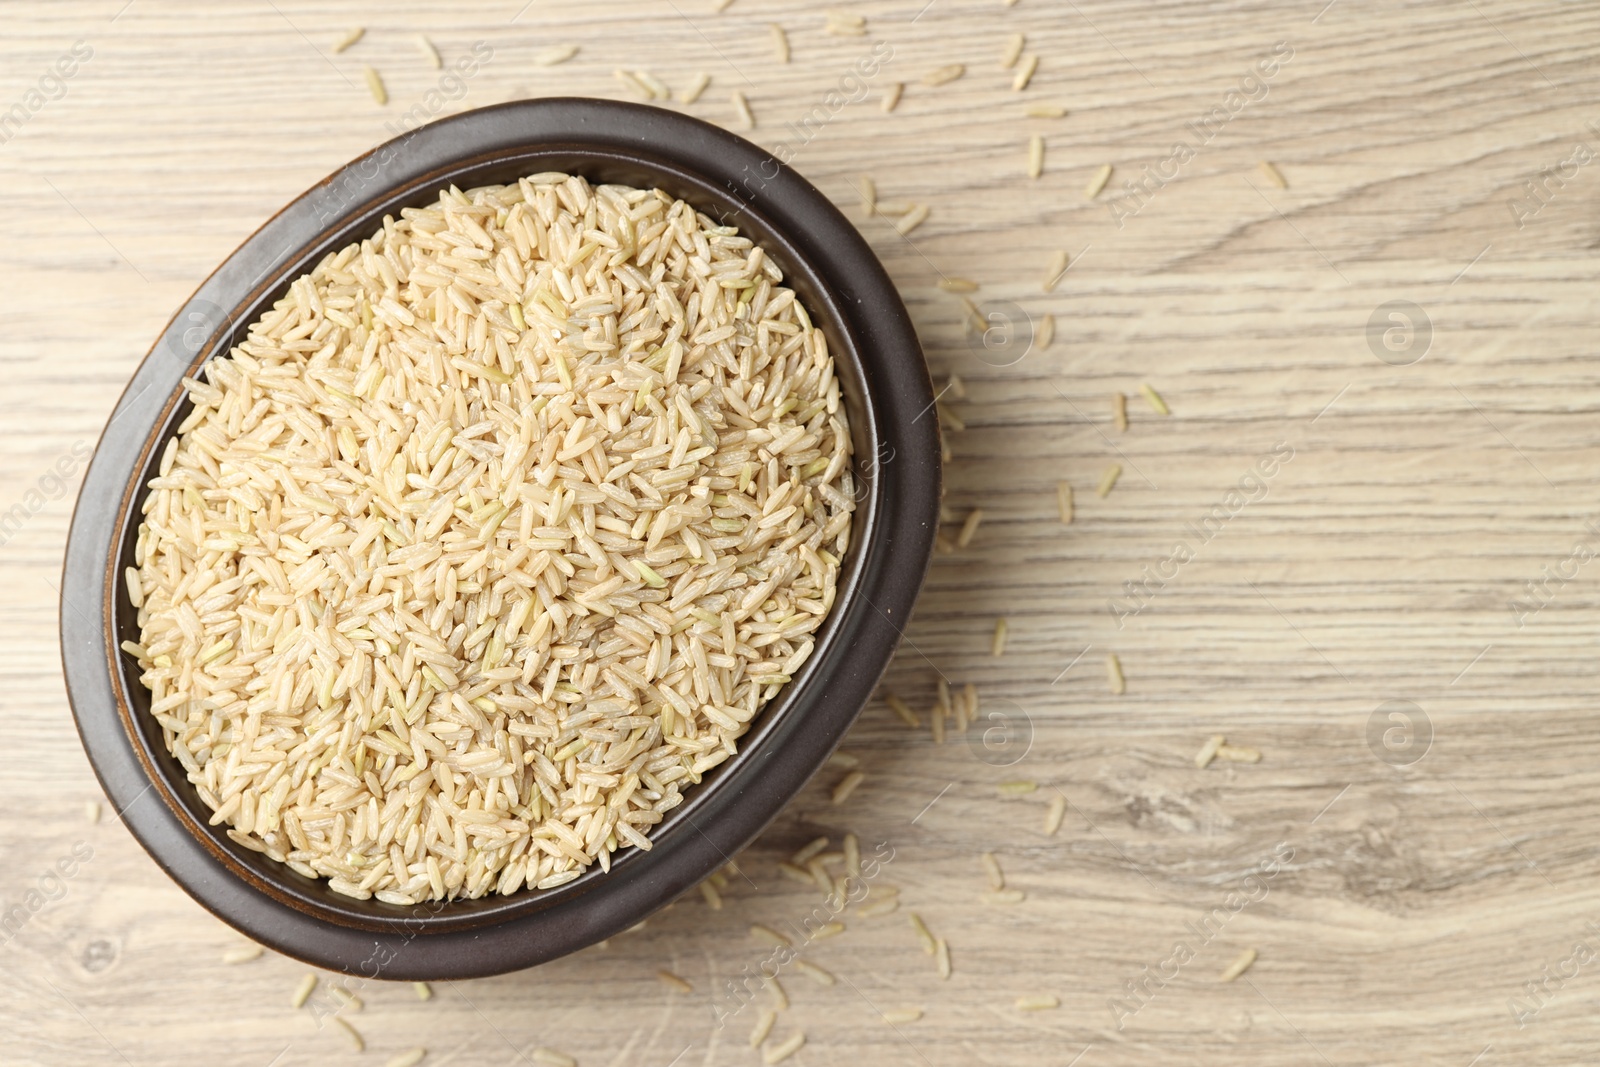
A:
(889, 399)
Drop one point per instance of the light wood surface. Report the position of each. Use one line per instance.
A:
(1381, 563)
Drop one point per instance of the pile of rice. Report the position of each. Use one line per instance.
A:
(491, 539)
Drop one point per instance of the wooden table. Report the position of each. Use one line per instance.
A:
(1362, 615)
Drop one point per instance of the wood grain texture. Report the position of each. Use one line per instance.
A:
(1383, 562)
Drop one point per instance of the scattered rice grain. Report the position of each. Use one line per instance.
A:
(1047, 111)
(302, 992)
(1109, 479)
(912, 219)
(898, 1016)
(944, 75)
(827, 930)
(430, 53)
(869, 195)
(1047, 331)
(242, 954)
(780, 999)
(1013, 52)
(1038, 1002)
(1054, 814)
(942, 958)
(780, 42)
(423, 990)
(991, 867)
(783, 1049)
(929, 944)
(551, 1058)
(1274, 175)
(409, 1058)
(767, 933)
(1004, 896)
(958, 285)
(1058, 267)
(555, 55)
(349, 39)
(1119, 410)
(1239, 754)
(673, 981)
(1153, 398)
(713, 898)
(1098, 182)
(1064, 502)
(763, 1027)
(1208, 751)
(375, 86)
(1114, 675)
(1238, 966)
(1035, 156)
(692, 91)
(91, 810)
(891, 96)
(997, 643)
(741, 107)
(815, 973)
(900, 708)
(351, 1033)
(969, 527)
(846, 786)
(1020, 787)
(1025, 73)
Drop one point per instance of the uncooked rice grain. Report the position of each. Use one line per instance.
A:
(351, 1033)
(1208, 751)
(891, 96)
(941, 956)
(846, 786)
(780, 42)
(809, 851)
(815, 973)
(780, 999)
(1109, 479)
(692, 91)
(1238, 966)
(1025, 73)
(1119, 410)
(944, 75)
(436, 605)
(674, 982)
(1153, 398)
(555, 55)
(783, 1049)
(349, 39)
(912, 219)
(375, 86)
(91, 810)
(409, 1058)
(1018, 788)
(1047, 331)
(712, 897)
(991, 867)
(430, 53)
(827, 930)
(1058, 267)
(1035, 156)
(1064, 502)
(900, 708)
(1274, 175)
(997, 643)
(897, 1016)
(1239, 754)
(302, 992)
(1038, 1002)
(869, 195)
(929, 944)
(242, 954)
(1004, 896)
(741, 107)
(1013, 52)
(1054, 814)
(1114, 675)
(763, 1027)
(552, 1058)
(423, 990)
(1098, 182)
(958, 285)
(1047, 111)
(969, 528)
(767, 933)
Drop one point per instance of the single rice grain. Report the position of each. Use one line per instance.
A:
(1054, 813)
(900, 1016)
(1047, 331)
(1114, 675)
(1119, 410)
(1014, 45)
(766, 933)
(1038, 1002)
(891, 96)
(552, 1058)
(773, 1054)
(944, 75)
(1025, 72)
(1098, 182)
(1020, 787)
(349, 39)
(958, 285)
(1238, 966)
(91, 810)
(409, 1058)
(423, 990)
(929, 944)
(942, 958)
(741, 108)
(869, 195)
(780, 999)
(912, 219)
(1064, 502)
(302, 992)
(764, 1023)
(969, 528)
(429, 53)
(1239, 754)
(712, 897)
(1058, 267)
(1109, 479)
(691, 92)
(1004, 896)
(846, 786)
(900, 708)
(1046, 111)
(375, 86)
(991, 867)
(815, 973)
(555, 55)
(351, 1033)
(780, 42)
(674, 982)
(1274, 175)
(242, 954)
(1208, 751)
(1153, 398)
(997, 641)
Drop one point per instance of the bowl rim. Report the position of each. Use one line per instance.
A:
(818, 249)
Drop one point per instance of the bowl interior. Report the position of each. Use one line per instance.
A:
(223, 323)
